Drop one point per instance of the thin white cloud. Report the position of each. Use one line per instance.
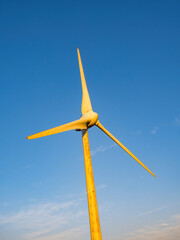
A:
(157, 128)
(176, 121)
(101, 149)
(37, 184)
(50, 220)
(154, 131)
(164, 231)
(138, 132)
(152, 211)
(73, 233)
(101, 186)
(4, 204)
(47, 220)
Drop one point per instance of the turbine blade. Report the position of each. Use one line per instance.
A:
(78, 124)
(86, 103)
(122, 146)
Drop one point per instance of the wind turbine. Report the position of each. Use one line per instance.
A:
(89, 119)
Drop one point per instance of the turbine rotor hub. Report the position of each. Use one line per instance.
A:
(92, 118)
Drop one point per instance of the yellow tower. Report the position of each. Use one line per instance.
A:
(95, 227)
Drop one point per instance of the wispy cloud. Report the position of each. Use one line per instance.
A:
(176, 121)
(5, 204)
(157, 128)
(48, 220)
(138, 132)
(102, 149)
(101, 186)
(37, 184)
(152, 211)
(163, 231)
(154, 130)
(73, 233)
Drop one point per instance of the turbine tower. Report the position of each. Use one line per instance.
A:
(89, 119)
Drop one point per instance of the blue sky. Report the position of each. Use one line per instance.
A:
(131, 56)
